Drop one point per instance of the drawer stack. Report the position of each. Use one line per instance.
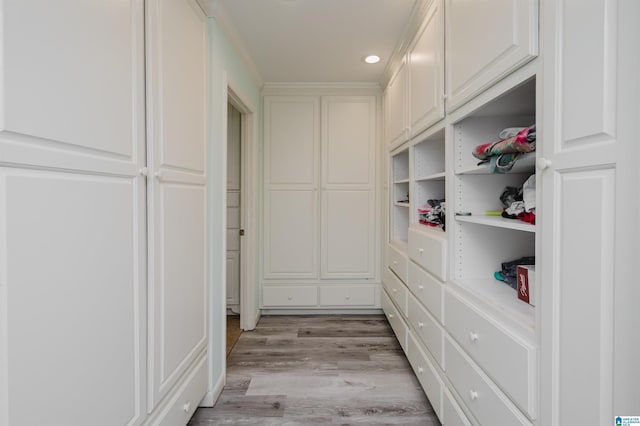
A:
(472, 368)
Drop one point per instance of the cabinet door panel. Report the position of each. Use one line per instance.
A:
(291, 140)
(347, 234)
(426, 72)
(348, 141)
(177, 34)
(395, 127)
(485, 41)
(290, 234)
(72, 212)
(71, 299)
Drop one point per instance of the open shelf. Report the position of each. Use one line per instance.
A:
(497, 221)
(526, 163)
(401, 181)
(401, 204)
(435, 176)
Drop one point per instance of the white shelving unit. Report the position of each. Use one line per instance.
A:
(429, 177)
(482, 242)
(400, 197)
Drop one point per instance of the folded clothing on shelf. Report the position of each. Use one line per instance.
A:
(520, 203)
(503, 154)
(433, 213)
(509, 272)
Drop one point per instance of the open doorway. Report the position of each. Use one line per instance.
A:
(234, 224)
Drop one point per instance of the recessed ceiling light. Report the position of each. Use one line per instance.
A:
(371, 59)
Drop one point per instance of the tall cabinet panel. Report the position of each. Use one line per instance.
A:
(177, 131)
(72, 213)
(320, 201)
(426, 71)
(348, 183)
(292, 144)
(590, 163)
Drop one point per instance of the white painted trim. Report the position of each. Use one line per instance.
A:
(212, 396)
(248, 204)
(323, 311)
(319, 86)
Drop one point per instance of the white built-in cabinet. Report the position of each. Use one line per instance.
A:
(320, 197)
(103, 212)
(485, 41)
(482, 356)
(414, 96)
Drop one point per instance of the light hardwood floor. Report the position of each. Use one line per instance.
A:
(319, 370)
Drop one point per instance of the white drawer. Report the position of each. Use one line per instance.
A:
(352, 295)
(487, 403)
(429, 251)
(397, 262)
(508, 359)
(279, 296)
(398, 292)
(453, 414)
(426, 373)
(395, 320)
(182, 406)
(427, 329)
(427, 289)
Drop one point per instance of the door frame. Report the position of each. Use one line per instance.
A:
(249, 314)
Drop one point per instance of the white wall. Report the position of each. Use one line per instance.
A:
(226, 65)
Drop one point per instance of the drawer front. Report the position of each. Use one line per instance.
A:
(397, 262)
(352, 295)
(398, 292)
(426, 373)
(509, 360)
(289, 296)
(427, 329)
(453, 414)
(479, 393)
(395, 320)
(427, 289)
(429, 251)
(186, 400)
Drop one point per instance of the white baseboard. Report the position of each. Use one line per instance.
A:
(322, 312)
(212, 396)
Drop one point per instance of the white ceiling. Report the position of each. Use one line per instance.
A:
(319, 41)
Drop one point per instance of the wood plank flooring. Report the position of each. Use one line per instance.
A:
(319, 370)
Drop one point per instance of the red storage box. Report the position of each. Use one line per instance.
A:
(527, 283)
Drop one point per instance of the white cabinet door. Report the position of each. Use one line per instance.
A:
(426, 71)
(292, 149)
(177, 131)
(348, 182)
(589, 162)
(290, 234)
(485, 40)
(72, 213)
(395, 125)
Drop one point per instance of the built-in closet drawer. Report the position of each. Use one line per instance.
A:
(452, 413)
(364, 295)
(429, 251)
(426, 373)
(186, 400)
(284, 296)
(395, 320)
(426, 328)
(487, 403)
(397, 262)
(507, 358)
(427, 289)
(398, 292)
